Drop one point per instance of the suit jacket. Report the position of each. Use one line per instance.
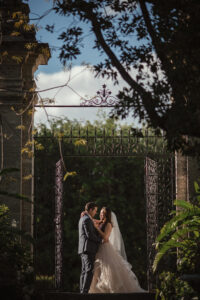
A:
(89, 239)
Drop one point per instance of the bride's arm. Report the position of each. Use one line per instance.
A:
(96, 221)
(105, 235)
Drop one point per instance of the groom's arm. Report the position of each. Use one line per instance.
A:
(90, 231)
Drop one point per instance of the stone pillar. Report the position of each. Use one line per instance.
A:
(193, 175)
(20, 56)
(187, 171)
(181, 175)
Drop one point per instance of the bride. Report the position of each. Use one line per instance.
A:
(112, 272)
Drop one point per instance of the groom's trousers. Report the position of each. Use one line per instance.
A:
(87, 260)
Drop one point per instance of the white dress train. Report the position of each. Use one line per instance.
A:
(112, 273)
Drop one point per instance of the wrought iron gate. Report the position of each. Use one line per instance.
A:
(160, 193)
(58, 225)
(151, 192)
(159, 175)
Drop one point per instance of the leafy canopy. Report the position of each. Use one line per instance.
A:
(154, 47)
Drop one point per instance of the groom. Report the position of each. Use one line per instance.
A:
(89, 241)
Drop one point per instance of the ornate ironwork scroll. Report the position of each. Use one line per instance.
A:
(58, 225)
(166, 189)
(103, 98)
(160, 193)
(151, 189)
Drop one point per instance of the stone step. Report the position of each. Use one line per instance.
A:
(76, 296)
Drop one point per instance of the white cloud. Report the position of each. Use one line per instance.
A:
(81, 83)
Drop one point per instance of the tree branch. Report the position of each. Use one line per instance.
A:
(155, 40)
(151, 31)
(146, 96)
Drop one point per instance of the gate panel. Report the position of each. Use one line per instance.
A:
(58, 225)
(151, 191)
(160, 194)
(166, 189)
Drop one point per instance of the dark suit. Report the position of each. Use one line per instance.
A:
(89, 241)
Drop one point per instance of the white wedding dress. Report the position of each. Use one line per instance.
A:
(112, 272)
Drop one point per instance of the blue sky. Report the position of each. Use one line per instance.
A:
(82, 82)
(38, 8)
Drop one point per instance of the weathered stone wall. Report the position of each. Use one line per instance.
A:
(20, 55)
(10, 157)
(187, 171)
(181, 177)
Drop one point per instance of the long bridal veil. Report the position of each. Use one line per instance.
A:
(115, 238)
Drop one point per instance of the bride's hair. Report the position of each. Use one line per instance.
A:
(108, 214)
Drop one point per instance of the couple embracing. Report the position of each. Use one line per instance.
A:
(105, 268)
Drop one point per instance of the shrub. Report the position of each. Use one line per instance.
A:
(16, 272)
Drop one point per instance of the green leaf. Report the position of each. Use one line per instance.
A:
(173, 242)
(8, 170)
(196, 187)
(164, 249)
(196, 233)
(188, 211)
(16, 196)
(183, 204)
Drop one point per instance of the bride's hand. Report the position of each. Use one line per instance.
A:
(96, 221)
(96, 224)
(104, 241)
(83, 213)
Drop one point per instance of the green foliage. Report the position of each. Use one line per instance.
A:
(172, 288)
(144, 42)
(180, 237)
(182, 231)
(16, 272)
